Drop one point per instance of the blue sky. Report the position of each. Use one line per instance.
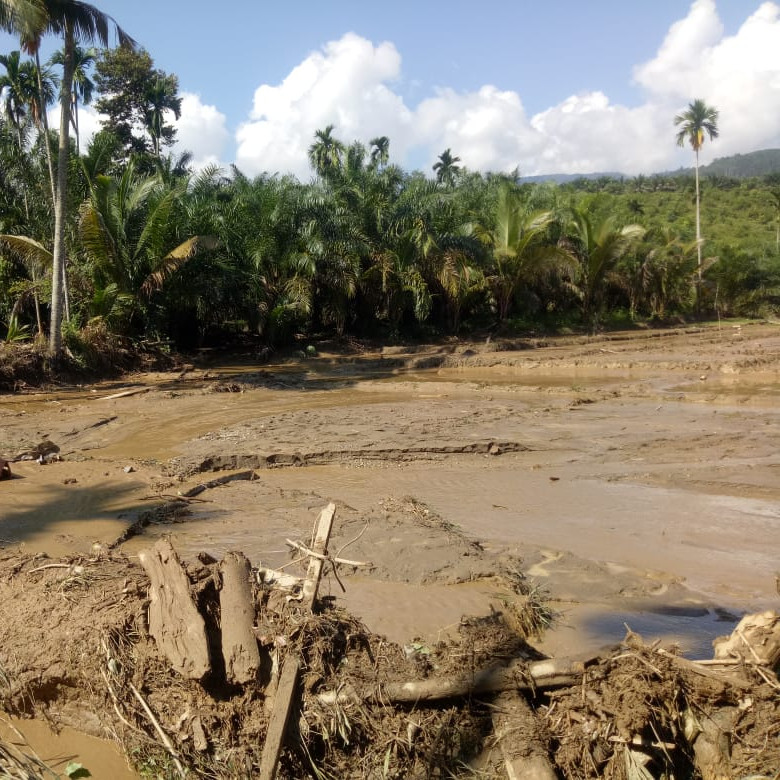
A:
(562, 85)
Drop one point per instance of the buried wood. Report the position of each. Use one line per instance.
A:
(237, 615)
(518, 675)
(519, 735)
(277, 725)
(174, 620)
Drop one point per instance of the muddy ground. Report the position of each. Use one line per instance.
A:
(634, 477)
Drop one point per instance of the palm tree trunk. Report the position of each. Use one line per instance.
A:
(698, 216)
(58, 263)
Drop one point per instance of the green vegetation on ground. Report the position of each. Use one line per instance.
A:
(153, 251)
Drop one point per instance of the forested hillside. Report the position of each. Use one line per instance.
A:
(155, 251)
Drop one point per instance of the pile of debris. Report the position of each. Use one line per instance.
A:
(216, 669)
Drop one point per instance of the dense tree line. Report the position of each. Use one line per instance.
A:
(154, 251)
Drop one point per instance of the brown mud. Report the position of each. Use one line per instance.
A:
(634, 477)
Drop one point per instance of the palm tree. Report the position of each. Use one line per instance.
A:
(447, 168)
(160, 97)
(19, 16)
(326, 152)
(380, 151)
(600, 245)
(17, 89)
(519, 249)
(75, 21)
(694, 122)
(83, 86)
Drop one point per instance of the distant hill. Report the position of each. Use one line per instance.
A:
(737, 166)
(743, 166)
(565, 178)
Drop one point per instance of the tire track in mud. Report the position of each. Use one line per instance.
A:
(325, 457)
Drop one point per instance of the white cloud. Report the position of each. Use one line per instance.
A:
(346, 84)
(201, 129)
(352, 84)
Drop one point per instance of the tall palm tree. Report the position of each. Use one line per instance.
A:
(160, 97)
(447, 168)
(694, 122)
(75, 21)
(83, 86)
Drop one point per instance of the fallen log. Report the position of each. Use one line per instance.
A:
(519, 735)
(174, 620)
(237, 614)
(518, 675)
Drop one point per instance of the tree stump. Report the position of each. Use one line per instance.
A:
(174, 620)
(237, 609)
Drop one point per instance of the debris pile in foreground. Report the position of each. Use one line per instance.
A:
(215, 669)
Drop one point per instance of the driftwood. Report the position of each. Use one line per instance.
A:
(237, 614)
(756, 639)
(519, 735)
(174, 620)
(517, 675)
(277, 579)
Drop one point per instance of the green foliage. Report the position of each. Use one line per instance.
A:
(134, 95)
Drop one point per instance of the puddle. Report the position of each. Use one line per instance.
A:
(102, 758)
(691, 628)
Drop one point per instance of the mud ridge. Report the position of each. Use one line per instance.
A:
(395, 454)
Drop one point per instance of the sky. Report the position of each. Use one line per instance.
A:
(560, 86)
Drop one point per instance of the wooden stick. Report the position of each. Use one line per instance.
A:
(123, 394)
(312, 554)
(320, 546)
(277, 725)
(159, 729)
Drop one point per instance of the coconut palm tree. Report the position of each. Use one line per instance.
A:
(696, 121)
(75, 21)
(447, 168)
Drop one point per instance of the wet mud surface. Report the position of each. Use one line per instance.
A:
(634, 477)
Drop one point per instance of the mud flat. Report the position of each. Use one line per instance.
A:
(634, 478)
